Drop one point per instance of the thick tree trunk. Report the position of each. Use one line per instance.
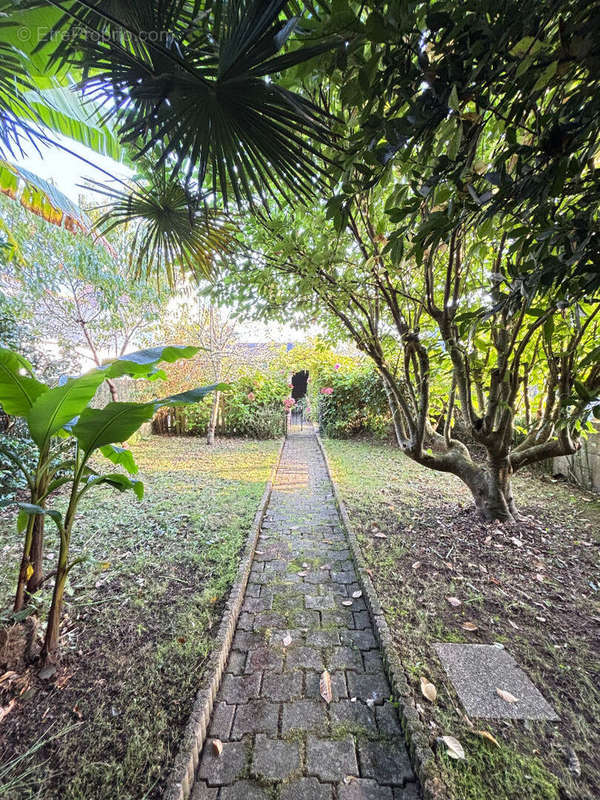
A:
(491, 487)
(212, 423)
(394, 411)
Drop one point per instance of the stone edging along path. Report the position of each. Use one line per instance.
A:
(303, 607)
(181, 779)
(421, 754)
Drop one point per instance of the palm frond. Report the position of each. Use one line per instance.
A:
(15, 115)
(172, 229)
(202, 95)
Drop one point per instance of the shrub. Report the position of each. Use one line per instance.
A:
(356, 404)
(252, 407)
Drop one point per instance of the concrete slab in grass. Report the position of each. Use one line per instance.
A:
(477, 670)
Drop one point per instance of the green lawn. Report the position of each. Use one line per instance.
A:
(139, 625)
(534, 588)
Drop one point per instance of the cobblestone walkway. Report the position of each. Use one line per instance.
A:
(281, 741)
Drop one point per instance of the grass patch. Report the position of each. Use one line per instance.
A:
(531, 586)
(139, 623)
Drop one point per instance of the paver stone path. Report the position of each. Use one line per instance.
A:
(281, 740)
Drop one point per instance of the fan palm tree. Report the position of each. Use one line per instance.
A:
(194, 82)
(192, 85)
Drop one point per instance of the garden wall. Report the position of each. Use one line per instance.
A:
(583, 468)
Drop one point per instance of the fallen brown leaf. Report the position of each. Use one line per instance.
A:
(487, 735)
(470, 626)
(428, 690)
(455, 748)
(507, 696)
(325, 687)
(454, 601)
(5, 711)
(217, 747)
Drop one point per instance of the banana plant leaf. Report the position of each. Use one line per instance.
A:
(121, 457)
(143, 362)
(18, 388)
(118, 481)
(54, 408)
(41, 198)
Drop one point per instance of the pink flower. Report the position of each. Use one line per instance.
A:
(337, 366)
(251, 396)
(326, 390)
(290, 385)
(289, 402)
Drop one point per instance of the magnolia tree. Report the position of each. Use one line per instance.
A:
(449, 336)
(459, 248)
(53, 414)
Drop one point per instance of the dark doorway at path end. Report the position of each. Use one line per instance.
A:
(300, 384)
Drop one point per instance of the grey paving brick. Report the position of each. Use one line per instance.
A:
(202, 792)
(236, 662)
(274, 759)
(325, 602)
(331, 759)
(341, 618)
(344, 577)
(306, 619)
(245, 621)
(306, 789)
(304, 715)
(256, 604)
(257, 716)
(247, 640)
(364, 640)
(361, 620)
(385, 762)
(264, 658)
(363, 789)
(355, 714)
(240, 688)
(268, 619)
(372, 661)
(244, 790)
(387, 720)
(345, 658)
(326, 638)
(221, 720)
(219, 770)
(368, 686)
(304, 657)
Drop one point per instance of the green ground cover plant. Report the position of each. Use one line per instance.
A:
(532, 587)
(136, 640)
